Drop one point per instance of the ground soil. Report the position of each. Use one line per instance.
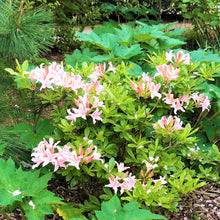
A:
(203, 203)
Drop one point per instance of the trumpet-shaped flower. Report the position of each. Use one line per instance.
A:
(54, 75)
(177, 105)
(100, 70)
(62, 156)
(96, 116)
(44, 153)
(146, 87)
(180, 57)
(94, 86)
(167, 72)
(121, 167)
(201, 101)
(127, 182)
(170, 123)
(83, 104)
(114, 183)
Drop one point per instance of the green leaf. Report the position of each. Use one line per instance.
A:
(2, 148)
(6, 197)
(80, 57)
(106, 41)
(112, 210)
(69, 212)
(127, 52)
(204, 56)
(109, 209)
(18, 185)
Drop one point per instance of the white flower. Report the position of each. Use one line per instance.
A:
(31, 204)
(15, 193)
(90, 141)
(151, 158)
(148, 191)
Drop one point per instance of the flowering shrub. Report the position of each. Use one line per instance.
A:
(144, 125)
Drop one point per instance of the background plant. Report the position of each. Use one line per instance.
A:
(205, 25)
(23, 32)
(126, 43)
(25, 190)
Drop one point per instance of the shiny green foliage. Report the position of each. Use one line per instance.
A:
(26, 190)
(129, 44)
(113, 210)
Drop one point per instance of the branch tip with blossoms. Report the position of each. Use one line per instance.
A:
(146, 87)
(170, 124)
(62, 157)
(84, 109)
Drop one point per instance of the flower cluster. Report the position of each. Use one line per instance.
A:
(146, 87)
(182, 102)
(100, 70)
(84, 108)
(48, 152)
(201, 101)
(168, 72)
(54, 75)
(123, 181)
(170, 124)
(149, 173)
(179, 58)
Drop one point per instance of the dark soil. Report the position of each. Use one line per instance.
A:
(203, 203)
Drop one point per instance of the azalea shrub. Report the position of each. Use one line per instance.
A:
(136, 135)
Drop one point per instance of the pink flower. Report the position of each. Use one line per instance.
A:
(169, 99)
(162, 179)
(167, 72)
(94, 86)
(63, 157)
(146, 87)
(44, 153)
(179, 58)
(184, 98)
(128, 184)
(177, 105)
(83, 104)
(96, 116)
(201, 101)
(121, 167)
(114, 183)
(66, 158)
(54, 75)
(100, 70)
(170, 123)
(125, 183)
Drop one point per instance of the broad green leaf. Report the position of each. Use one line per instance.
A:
(102, 58)
(69, 212)
(79, 57)
(125, 34)
(112, 210)
(127, 52)
(204, 56)
(106, 41)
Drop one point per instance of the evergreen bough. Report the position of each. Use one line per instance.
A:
(24, 32)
